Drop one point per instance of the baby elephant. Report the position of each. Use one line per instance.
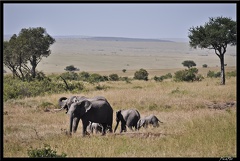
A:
(151, 119)
(93, 126)
(97, 127)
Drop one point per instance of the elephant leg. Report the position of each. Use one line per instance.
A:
(75, 124)
(84, 130)
(123, 128)
(130, 127)
(104, 126)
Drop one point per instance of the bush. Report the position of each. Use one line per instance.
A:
(96, 78)
(158, 79)
(84, 76)
(124, 70)
(113, 77)
(212, 74)
(231, 74)
(45, 152)
(70, 76)
(141, 74)
(186, 75)
(17, 89)
(161, 78)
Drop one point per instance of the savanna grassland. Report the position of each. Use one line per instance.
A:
(199, 118)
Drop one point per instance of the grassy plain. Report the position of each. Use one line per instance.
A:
(190, 128)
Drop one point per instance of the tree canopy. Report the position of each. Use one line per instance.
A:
(22, 53)
(188, 63)
(215, 34)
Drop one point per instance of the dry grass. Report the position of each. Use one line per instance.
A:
(190, 128)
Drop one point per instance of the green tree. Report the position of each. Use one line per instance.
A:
(188, 63)
(70, 68)
(215, 34)
(23, 52)
(141, 74)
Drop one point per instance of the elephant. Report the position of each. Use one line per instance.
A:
(96, 109)
(151, 119)
(93, 126)
(65, 102)
(127, 117)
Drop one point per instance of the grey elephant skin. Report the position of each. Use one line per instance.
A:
(96, 109)
(128, 117)
(151, 119)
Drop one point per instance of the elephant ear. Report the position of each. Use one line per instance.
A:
(87, 105)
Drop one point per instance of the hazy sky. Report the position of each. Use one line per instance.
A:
(133, 20)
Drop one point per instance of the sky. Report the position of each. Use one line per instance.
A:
(131, 20)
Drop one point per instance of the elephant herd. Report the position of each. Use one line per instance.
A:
(97, 115)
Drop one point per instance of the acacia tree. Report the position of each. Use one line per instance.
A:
(188, 63)
(215, 34)
(29, 47)
(13, 57)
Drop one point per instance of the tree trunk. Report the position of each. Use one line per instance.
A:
(222, 69)
(34, 65)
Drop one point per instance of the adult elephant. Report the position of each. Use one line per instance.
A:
(151, 119)
(128, 117)
(65, 102)
(96, 109)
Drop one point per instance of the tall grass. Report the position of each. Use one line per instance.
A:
(189, 129)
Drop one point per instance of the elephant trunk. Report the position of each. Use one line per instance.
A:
(61, 104)
(116, 126)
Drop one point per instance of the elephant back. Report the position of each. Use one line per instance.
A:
(131, 116)
(100, 112)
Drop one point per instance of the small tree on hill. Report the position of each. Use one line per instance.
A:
(70, 68)
(215, 34)
(188, 63)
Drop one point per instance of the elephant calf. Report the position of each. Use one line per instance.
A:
(97, 127)
(128, 117)
(93, 126)
(151, 119)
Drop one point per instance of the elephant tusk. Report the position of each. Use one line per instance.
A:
(58, 109)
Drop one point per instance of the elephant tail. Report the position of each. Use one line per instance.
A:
(160, 121)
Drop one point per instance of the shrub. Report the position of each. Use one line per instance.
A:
(124, 70)
(113, 77)
(231, 74)
(186, 75)
(161, 78)
(212, 74)
(84, 76)
(70, 76)
(45, 152)
(158, 79)
(141, 74)
(95, 78)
